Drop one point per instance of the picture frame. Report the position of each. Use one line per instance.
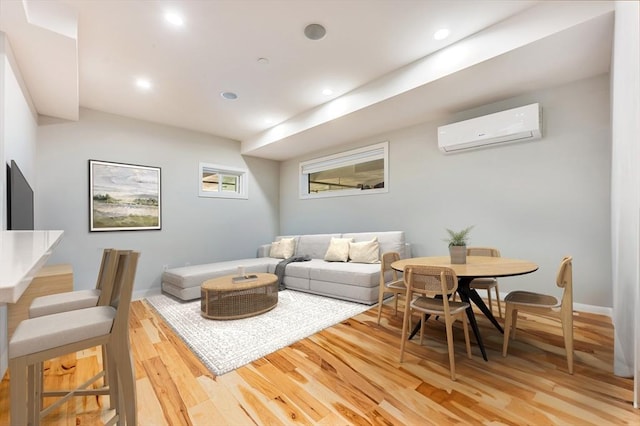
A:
(124, 197)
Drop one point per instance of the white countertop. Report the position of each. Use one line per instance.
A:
(22, 254)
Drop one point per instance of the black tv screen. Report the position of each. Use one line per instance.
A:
(19, 200)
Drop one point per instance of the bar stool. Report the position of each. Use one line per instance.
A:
(36, 340)
(72, 300)
(80, 299)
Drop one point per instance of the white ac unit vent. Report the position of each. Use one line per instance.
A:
(514, 125)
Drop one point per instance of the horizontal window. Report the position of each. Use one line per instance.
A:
(356, 172)
(222, 182)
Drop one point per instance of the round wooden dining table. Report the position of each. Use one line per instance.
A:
(476, 267)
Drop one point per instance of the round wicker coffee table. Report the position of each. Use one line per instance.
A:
(223, 299)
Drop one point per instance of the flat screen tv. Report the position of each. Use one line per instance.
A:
(19, 200)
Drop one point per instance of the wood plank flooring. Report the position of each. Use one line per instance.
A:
(349, 374)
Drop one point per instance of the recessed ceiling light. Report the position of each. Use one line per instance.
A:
(327, 92)
(143, 83)
(229, 95)
(441, 34)
(315, 31)
(174, 19)
(263, 61)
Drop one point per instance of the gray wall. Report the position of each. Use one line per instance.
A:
(538, 200)
(194, 230)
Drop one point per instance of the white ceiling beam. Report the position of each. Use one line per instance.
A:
(45, 34)
(534, 24)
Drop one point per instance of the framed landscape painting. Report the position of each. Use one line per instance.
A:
(123, 197)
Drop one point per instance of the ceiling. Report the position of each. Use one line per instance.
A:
(379, 57)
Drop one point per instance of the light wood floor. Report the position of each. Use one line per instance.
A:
(349, 374)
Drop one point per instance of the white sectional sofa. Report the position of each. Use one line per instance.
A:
(349, 280)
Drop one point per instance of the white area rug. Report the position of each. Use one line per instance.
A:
(226, 345)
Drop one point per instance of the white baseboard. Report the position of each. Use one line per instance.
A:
(592, 309)
(138, 295)
(601, 310)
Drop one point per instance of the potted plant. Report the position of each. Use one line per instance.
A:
(458, 245)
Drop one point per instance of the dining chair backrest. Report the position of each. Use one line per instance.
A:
(483, 251)
(486, 283)
(564, 280)
(390, 283)
(430, 279)
(385, 266)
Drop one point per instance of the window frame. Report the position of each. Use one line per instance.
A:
(241, 174)
(354, 156)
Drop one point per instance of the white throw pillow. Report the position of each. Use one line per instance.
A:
(283, 249)
(338, 250)
(365, 251)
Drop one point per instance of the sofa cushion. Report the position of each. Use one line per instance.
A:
(283, 248)
(365, 251)
(314, 246)
(368, 295)
(338, 250)
(388, 240)
(188, 293)
(299, 269)
(358, 274)
(295, 283)
(195, 275)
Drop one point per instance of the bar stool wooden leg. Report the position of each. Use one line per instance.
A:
(127, 382)
(32, 397)
(38, 399)
(18, 391)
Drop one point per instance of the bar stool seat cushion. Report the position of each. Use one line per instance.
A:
(61, 302)
(39, 334)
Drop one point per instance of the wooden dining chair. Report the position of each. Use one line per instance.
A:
(390, 282)
(486, 283)
(423, 284)
(544, 305)
(37, 340)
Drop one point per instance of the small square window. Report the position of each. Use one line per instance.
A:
(222, 182)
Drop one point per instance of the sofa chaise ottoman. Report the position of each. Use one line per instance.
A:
(346, 280)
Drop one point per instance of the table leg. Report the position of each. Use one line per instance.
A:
(475, 298)
(474, 325)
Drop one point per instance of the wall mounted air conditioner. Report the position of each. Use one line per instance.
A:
(514, 125)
